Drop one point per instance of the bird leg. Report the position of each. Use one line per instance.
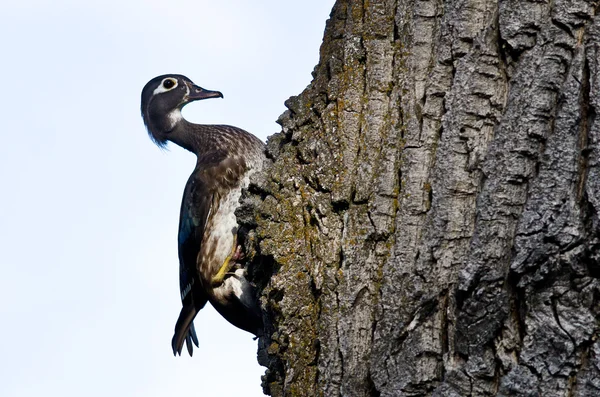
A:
(228, 264)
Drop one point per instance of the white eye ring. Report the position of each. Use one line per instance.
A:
(161, 88)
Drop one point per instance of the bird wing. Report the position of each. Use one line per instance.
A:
(201, 191)
(195, 207)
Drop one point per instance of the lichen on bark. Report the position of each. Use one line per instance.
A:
(428, 220)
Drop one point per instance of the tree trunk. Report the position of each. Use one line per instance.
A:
(429, 223)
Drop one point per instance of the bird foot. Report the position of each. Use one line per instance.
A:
(229, 264)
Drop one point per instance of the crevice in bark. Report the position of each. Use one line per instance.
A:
(564, 27)
(518, 307)
(553, 301)
(587, 119)
(444, 307)
(372, 389)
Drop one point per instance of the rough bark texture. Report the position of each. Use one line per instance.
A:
(429, 223)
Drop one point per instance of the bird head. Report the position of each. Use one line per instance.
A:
(163, 97)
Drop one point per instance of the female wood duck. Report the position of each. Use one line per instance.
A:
(211, 264)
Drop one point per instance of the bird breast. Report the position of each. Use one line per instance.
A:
(221, 227)
(218, 239)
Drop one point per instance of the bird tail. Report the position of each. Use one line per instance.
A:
(185, 331)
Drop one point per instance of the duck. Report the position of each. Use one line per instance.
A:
(211, 258)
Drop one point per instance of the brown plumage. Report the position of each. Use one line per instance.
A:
(211, 267)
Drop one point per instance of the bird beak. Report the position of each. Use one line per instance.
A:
(196, 93)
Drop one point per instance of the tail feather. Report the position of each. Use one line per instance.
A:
(185, 331)
(191, 337)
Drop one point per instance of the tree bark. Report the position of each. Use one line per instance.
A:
(428, 225)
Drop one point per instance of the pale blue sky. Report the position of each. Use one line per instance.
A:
(89, 207)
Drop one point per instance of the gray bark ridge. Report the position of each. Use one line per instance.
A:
(428, 222)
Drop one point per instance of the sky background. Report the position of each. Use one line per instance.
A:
(89, 207)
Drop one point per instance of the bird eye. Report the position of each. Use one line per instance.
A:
(168, 84)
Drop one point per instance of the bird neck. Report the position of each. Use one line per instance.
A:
(197, 138)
